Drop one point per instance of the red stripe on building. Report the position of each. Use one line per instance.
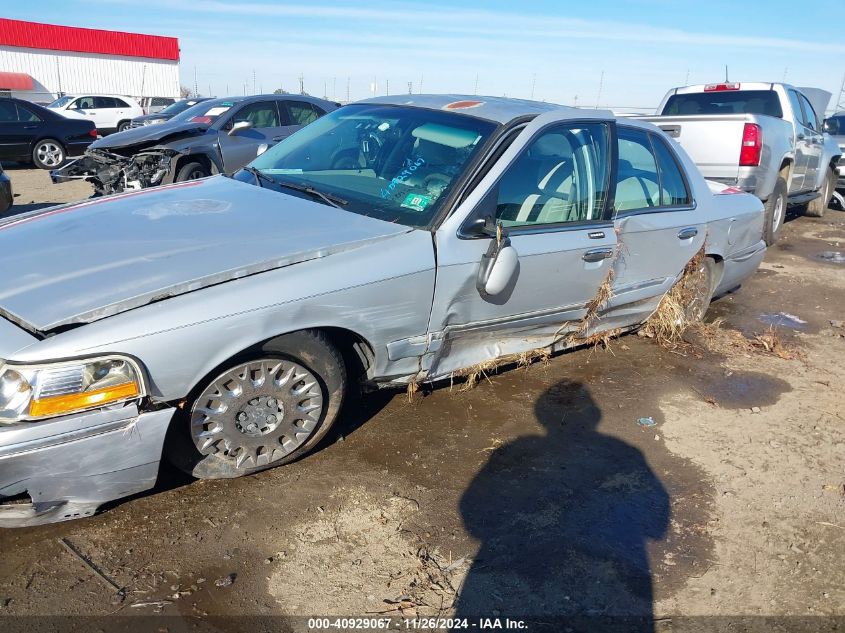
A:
(15, 81)
(79, 40)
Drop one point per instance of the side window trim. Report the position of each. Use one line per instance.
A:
(605, 218)
(661, 208)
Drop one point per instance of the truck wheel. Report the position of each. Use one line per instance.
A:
(774, 212)
(48, 153)
(817, 207)
(263, 411)
(191, 171)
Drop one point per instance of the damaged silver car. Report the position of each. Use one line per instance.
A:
(221, 321)
(214, 136)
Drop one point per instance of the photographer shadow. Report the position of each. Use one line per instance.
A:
(564, 519)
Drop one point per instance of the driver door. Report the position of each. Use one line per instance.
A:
(242, 146)
(548, 191)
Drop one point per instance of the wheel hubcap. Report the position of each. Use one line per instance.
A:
(258, 412)
(49, 154)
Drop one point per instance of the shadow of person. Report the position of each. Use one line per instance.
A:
(564, 519)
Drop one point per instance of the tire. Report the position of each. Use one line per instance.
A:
(191, 171)
(123, 126)
(774, 212)
(817, 207)
(48, 153)
(279, 403)
(698, 286)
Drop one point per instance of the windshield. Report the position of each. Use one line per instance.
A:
(179, 106)
(725, 102)
(60, 102)
(389, 162)
(205, 112)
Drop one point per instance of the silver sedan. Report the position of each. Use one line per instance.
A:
(393, 241)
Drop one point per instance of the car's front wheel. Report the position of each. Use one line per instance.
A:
(48, 154)
(265, 410)
(191, 171)
(123, 126)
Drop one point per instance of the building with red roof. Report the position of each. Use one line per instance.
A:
(41, 61)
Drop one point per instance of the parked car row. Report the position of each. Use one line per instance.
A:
(223, 321)
(214, 136)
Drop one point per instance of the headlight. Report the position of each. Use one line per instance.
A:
(33, 392)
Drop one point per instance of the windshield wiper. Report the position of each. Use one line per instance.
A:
(259, 175)
(328, 198)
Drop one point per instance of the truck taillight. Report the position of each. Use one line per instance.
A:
(720, 87)
(752, 145)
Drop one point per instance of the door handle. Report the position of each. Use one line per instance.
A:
(597, 254)
(276, 139)
(687, 234)
(29, 127)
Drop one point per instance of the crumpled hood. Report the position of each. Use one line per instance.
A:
(147, 134)
(84, 262)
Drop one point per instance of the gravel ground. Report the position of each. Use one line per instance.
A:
(535, 493)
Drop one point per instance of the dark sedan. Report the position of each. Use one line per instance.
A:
(167, 113)
(32, 134)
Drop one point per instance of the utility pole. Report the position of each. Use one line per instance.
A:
(348, 81)
(421, 80)
(575, 102)
(686, 80)
(475, 90)
(334, 88)
(601, 85)
(410, 87)
(785, 73)
(387, 86)
(533, 84)
(253, 82)
(325, 89)
(840, 102)
(196, 89)
(301, 83)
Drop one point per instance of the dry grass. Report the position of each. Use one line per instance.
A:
(672, 317)
(483, 370)
(591, 318)
(715, 338)
(413, 390)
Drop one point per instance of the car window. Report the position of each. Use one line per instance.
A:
(797, 110)
(393, 163)
(119, 103)
(637, 182)
(262, 114)
(8, 112)
(161, 101)
(836, 125)
(809, 114)
(560, 177)
(61, 101)
(103, 102)
(26, 115)
(673, 187)
(83, 103)
(302, 113)
(724, 102)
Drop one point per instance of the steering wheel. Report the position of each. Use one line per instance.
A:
(370, 147)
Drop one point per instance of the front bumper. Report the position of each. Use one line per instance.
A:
(70, 466)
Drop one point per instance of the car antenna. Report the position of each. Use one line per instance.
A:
(726, 74)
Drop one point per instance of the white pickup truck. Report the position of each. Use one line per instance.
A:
(763, 138)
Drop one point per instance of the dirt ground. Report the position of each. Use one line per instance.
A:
(538, 492)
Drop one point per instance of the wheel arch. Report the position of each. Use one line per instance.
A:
(357, 352)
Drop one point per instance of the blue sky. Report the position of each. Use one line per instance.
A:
(558, 50)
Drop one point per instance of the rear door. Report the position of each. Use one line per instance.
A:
(86, 107)
(656, 222)
(549, 191)
(815, 143)
(14, 139)
(243, 146)
(803, 145)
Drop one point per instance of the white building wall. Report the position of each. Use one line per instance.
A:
(72, 73)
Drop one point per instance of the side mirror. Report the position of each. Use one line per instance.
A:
(829, 127)
(240, 126)
(499, 266)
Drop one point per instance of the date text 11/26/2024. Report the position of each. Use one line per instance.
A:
(415, 624)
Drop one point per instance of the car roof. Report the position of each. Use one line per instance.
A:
(497, 109)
